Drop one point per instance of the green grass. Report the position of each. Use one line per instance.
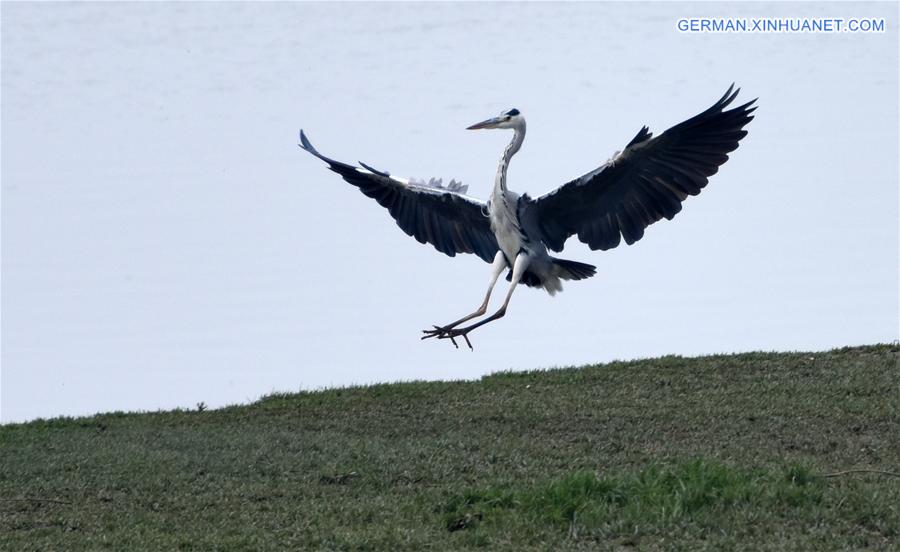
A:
(730, 452)
(656, 499)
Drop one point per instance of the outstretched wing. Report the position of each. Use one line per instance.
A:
(644, 183)
(428, 211)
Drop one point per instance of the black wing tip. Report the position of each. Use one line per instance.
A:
(726, 98)
(374, 170)
(305, 144)
(744, 112)
(729, 97)
(642, 136)
(748, 107)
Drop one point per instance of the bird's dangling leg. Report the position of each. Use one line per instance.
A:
(519, 268)
(497, 268)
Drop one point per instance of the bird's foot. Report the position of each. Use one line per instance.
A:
(448, 333)
(437, 331)
(451, 334)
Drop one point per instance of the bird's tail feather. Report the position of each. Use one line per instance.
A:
(573, 270)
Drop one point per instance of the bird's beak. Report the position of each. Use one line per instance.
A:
(489, 123)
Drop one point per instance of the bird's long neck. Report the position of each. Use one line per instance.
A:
(511, 149)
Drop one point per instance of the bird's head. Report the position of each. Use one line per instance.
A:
(511, 118)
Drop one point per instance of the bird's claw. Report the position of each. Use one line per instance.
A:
(451, 334)
(438, 331)
(456, 333)
(448, 333)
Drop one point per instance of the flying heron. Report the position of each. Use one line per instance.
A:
(646, 181)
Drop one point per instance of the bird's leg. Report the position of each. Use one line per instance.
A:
(518, 270)
(497, 268)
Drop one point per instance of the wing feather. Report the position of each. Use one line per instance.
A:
(442, 216)
(649, 180)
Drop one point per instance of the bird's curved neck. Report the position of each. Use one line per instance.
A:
(511, 149)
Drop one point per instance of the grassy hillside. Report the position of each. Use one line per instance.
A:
(722, 452)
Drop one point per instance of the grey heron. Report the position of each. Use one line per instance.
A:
(643, 183)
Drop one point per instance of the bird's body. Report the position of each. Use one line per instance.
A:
(647, 181)
(513, 238)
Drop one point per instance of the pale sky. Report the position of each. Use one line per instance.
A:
(165, 242)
